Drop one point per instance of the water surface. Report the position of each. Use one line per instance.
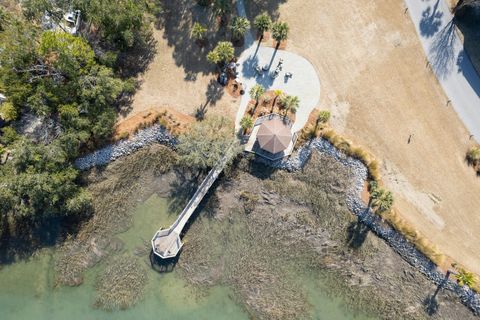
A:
(27, 288)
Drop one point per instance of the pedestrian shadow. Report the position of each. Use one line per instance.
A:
(357, 233)
(431, 21)
(442, 50)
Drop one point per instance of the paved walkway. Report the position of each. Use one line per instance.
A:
(305, 82)
(446, 55)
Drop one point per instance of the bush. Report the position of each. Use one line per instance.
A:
(9, 135)
(465, 278)
(323, 116)
(8, 112)
(473, 155)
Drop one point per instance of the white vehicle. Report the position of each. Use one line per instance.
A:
(69, 23)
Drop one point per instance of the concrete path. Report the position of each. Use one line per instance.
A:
(305, 82)
(448, 60)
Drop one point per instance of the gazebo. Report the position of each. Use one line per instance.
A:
(274, 136)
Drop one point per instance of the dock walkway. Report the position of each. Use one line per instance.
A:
(166, 243)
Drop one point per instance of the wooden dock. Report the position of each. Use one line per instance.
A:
(166, 243)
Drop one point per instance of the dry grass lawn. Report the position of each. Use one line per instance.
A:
(375, 82)
(180, 76)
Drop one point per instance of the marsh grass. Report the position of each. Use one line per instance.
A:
(116, 189)
(121, 285)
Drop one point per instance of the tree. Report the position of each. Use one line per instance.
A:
(9, 135)
(262, 23)
(222, 8)
(280, 32)
(290, 103)
(207, 142)
(277, 93)
(256, 92)
(465, 278)
(222, 53)
(198, 31)
(473, 155)
(246, 123)
(239, 27)
(380, 199)
(8, 112)
(120, 23)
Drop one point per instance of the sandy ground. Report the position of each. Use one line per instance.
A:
(180, 76)
(375, 81)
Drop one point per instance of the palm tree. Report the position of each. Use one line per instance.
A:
(380, 199)
(221, 8)
(246, 123)
(290, 103)
(239, 27)
(223, 52)
(262, 23)
(473, 155)
(465, 278)
(256, 92)
(198, 32)
(280, 32)
(277, 93)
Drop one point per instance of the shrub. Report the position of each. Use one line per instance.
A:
(8, 112)
(198, 31)
(473, 155)
(465, 278)
(123, 135)
(9, 135)
(323, 116)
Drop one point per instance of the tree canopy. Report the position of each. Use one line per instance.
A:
(207, 142)
(223, 52)
(59, 78)
(262, 22)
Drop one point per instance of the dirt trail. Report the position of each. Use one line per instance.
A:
(375, 81)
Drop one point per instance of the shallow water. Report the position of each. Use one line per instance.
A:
(27, 292)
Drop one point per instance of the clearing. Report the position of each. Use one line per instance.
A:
(376, 83)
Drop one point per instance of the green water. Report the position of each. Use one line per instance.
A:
(27, 292)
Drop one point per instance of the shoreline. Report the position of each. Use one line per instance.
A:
(157, 134)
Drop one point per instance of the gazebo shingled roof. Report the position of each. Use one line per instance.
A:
(274, 136)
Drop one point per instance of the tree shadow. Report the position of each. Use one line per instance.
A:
(214, 92)
(136, 59)
(466, 67)
(431, 21)
(255, 7)
(442, 50)
(431, 305)
(178, 19)
(467, 16)
(357, 233)
(181, 190)
(31, 236)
